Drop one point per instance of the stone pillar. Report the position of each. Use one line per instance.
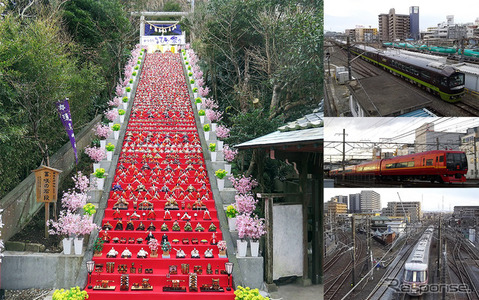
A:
(142, 27)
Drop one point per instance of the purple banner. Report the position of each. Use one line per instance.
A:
(64, 112)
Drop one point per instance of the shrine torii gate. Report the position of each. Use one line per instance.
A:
(149, 28)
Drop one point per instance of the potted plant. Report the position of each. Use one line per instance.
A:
(229, 155)
(66, 227)
(131, 81)
(256, 230)
(98, 246)
(166, 247)
(109, 151)
(190, 74)
(89, 209)
(116, 132)
(198, 102)
(214, 117)
(206, 129)
(102, 132)
(242, 223)
(202, 113)
(222, 132)
(220, 175)
(231, 213)
(71, 294)
(84, 226)
(187, 63)
(153, 244)
(134, 74)
(128, 91)
(100, 178)
(125, 102)
(137, 67)
(189, 68)
(212, 147)
(192, 81)
(121, 113)
(96, 154)
(111, 115)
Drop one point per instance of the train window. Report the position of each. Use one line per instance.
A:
(425, 75)
(437, 158)
(444, 81)
(456, 79)
(389, 166)
(441, 158)
(429, 162)
(410, 164)
(423, 161)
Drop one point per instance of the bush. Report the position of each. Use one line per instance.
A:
(72, 294)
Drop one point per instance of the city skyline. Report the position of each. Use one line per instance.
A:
(431, 199)
(347, 14)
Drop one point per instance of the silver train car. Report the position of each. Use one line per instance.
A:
(416, 273)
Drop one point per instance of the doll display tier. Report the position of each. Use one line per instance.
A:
(160, 192)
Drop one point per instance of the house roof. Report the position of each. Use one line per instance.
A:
(303, 134)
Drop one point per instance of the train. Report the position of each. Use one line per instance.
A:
(443, 166)
(416, 274)
(449, 51)
(436, 78)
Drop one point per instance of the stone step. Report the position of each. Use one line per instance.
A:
(228, 195)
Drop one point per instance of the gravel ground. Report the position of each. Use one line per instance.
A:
(30, 294)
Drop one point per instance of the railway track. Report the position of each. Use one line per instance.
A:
(382, 290)
(337, 283)
(458, 265)
(470, 109)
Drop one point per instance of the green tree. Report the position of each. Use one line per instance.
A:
(35, 72)
(104, 34)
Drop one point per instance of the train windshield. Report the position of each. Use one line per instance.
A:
(456, 80)
(456, 161)
(415, 276)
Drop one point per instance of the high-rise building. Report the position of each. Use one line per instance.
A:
(354, 203)
(370, 201)
(414, 22)
(333, 208)
(342, 199)
(394, 26)
(383, 27)
(427, 139)
(410, 210)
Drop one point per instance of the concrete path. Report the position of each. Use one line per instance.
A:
(295, 291)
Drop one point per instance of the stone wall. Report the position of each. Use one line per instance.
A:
(20, 204)
(25, 270)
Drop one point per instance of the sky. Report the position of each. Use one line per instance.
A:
(400, 130)
(431, 198)
(344, 14)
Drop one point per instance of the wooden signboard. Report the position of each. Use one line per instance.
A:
(46, 182)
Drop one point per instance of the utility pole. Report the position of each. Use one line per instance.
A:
(437, 143)
(439, 247)
(368, 242)
(349, 58)
(353, 252)
(344, 150)
(443, 278)
(475, 157)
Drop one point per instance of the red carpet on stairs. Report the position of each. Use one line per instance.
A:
(161, 186)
